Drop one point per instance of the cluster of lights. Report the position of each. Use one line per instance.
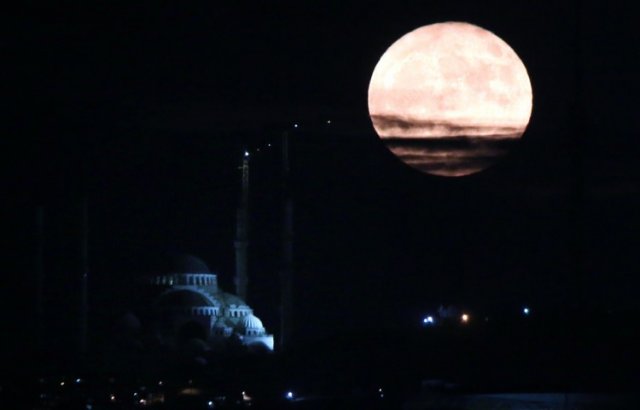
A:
(428, 320)
(466, 318)
(247, 153)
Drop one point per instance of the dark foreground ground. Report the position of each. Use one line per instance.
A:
(588, 361)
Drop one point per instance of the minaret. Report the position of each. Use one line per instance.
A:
(286, 273)
(39, 273)
(84, 278)
(242, 229)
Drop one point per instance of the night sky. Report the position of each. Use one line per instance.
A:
(146, 109)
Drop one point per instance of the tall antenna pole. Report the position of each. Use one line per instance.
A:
(39, 271)
(242, 233)
(84, 279)
(286, 274)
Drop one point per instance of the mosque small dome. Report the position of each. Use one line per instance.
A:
(252, 322)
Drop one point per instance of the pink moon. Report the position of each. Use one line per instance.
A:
(450, 99)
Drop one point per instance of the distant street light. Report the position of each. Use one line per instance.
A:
(464, 318)
(526, 311)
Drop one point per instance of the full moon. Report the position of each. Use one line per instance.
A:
(450, 98)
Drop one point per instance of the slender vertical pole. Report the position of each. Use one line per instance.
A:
(242, 233)
(579, 130)
(286, 274)
(84, 278)
(39, 270)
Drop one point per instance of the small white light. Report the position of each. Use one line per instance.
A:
(289, 395)
(328, 122)
(160, 383)
(268, 145)
(246, 153)
(428, 320)
(295, 125)
(526, 311)
(464, 318)
(112, 397)
(78, 380)
(61, 383)
(210, 403)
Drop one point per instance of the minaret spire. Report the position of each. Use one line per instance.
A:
(39, 271)
(286, 273)
(242, 232)
(84, 278)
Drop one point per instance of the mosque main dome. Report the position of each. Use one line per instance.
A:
(184, 298)
(183, 263)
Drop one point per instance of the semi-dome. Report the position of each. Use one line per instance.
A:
(184, 298)
(230, 299)
(222, 323)
(252, 322)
